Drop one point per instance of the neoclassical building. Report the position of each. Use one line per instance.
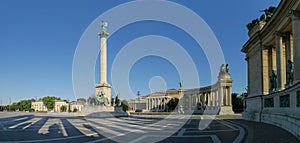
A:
(40, 106)
(273, 59)
(216, 97)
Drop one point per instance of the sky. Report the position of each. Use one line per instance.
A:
(38, 41)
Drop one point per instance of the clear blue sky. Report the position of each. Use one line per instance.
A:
(38, 40)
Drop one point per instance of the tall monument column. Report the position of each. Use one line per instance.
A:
(103, 88)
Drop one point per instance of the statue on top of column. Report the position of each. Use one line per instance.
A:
(104, 25)
(273, 81)
(289, 73)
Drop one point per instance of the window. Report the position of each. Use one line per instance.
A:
(284, 100)
(269, 102)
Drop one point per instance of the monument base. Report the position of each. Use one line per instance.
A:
(226, 110)
(104, 89)
(103, 111)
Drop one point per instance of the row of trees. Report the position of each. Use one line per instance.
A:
(24, 105)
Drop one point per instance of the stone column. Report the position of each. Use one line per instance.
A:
(230, 98)
(288, 47)
(146, 104)
(280, 62)
(214, 99)
(190, 101)
(218, 99)
(209, 100)
(103, 62)
(203, 95)
(221, 96)
(296, 44)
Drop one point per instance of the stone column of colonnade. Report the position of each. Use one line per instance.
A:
(280, 61)
(296, 44)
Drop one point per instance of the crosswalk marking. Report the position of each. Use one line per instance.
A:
(62, 128)
(31, 121)
(117, 127)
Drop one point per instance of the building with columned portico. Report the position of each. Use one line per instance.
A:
(216, 97)
(273, 59)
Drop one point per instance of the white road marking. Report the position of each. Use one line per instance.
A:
(215, 139)
(224, 123)
(241, 135)
(79, 124)
(189, 121)
(62, 128)
(56, 139)
(31, 121)
(181, 132)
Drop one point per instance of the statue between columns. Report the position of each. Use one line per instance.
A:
(289, 73)
(273, 81)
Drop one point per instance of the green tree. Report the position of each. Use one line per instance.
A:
(12, 107)
(112, 101)
(63, 108)
(117, 101)
(237, 102)
(75, 110)
(24, 105)
(81, 100)
(171, 105)
(69, 110)
(49, 101)
(124, 105)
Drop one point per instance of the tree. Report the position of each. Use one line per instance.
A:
(171, 105)
(81, 100)
(24, 105)
(117, 102)
(49, 101)
(69, 110)
(112, 102)
(75, 110)
(237, 102)
(63, 108)
(124, 105)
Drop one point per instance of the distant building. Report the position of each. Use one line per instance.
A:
(59, 104)
(76, 105)
(38, 106)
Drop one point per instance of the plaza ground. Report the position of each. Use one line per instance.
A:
(43, 127)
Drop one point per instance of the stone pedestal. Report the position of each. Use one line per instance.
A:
(226, 110)
(104, 89)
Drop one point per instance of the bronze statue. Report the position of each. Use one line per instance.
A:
(273, 81)
(104, 25)
(180, 84)
(224, 68)
(290, 73)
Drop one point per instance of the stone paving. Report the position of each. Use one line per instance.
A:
(27, 127)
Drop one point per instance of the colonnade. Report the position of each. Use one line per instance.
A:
(156, 103)
(210, 99)
(281, 56)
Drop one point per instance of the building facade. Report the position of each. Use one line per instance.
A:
(39, 106)
(273, 59)
(216, 98)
